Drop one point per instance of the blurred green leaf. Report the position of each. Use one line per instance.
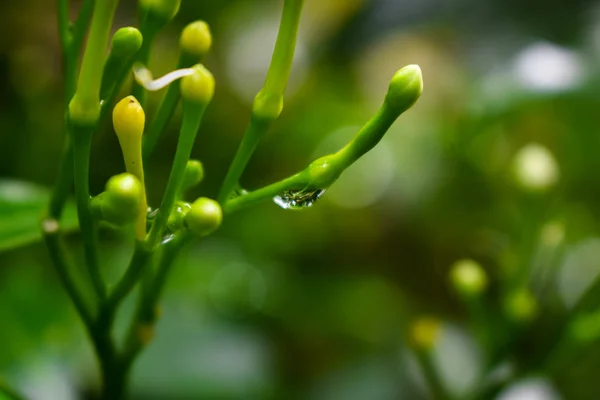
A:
(22, 205)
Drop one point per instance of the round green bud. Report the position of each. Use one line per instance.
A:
(535, 168)
(405, 89)
(199, 87)
(520, 306)
(165, 10)
(204, 217)
(424, 333)
(196, 39)
(194, 173)
(468, 278)
(126, 42)
(267, 106)
(177, 217)
(119, 204)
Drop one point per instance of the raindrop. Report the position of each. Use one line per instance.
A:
(237, 192)
(167, 238)
(150, 216)
(297, 199)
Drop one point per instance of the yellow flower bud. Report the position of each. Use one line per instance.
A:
(196, 39)
(468, 278)
(128, 121)
(198, 88)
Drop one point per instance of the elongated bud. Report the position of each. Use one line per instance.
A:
(267, 106)
(196, 39)
(520, 306)
(126, 42)
(424, 333)
(405, 89)
(128, 120)
(199, 87)
(204, 217)
(120, 202)
(194, 173)
(468, 278)
(163, 10)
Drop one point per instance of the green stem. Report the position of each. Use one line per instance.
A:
(192, 117)
(252, 137)
(82, 141)
(63, 23)
(267, 192)
(269, 102)
(85, 105)
(58, 255)
(165, 112)
(141, 257)
(146, 314)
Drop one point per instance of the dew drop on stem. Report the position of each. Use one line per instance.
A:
(297, 199)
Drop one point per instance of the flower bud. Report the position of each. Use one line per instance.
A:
(164, 10)
(204, 217)
(194, 173)
(424, 333)
(520, 306)
(468, 278)
(405, 89)
(129, 119)
(196, 39)
(126, 42)
(198, 88)
(120, 202)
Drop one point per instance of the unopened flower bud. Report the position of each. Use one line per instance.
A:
(196, 39)
(535, 168)
(199, 87)
(204, 217)
(194, 173)
(520, 306)
(164, 10)
(126, 42)
(120, 202)
(424, 333)
(405, 89)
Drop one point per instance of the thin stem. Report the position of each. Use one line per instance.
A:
(164, 113)
(85, 106)
(82, 142)
(58, 255)
(269, 101)
(64, 183)
(141, 257)
(250, 141)
(192, 117)
(265, 193)
(146, 314)
(63, 23)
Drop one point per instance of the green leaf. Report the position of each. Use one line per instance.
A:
(22, 206)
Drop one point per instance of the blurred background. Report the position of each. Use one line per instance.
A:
(498, 162)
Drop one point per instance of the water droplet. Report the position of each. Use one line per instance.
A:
(297, 199)
(150, 216)
(237, 192)
(167, 238)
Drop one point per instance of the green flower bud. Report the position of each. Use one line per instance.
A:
(468, 278)
(405, 89)
(126, 42)
(196, 39)
(177, 217)
(164, 10)
(204, 217)
(520, 306)
(119, 204)
(424, 333)
(194, 173)
(198, 88)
